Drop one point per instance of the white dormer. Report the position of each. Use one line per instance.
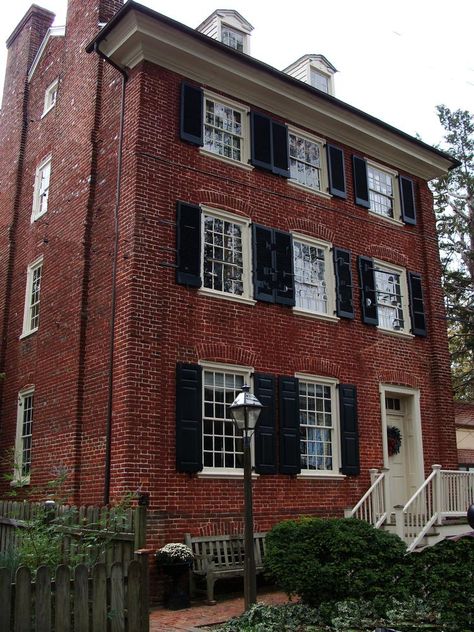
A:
(315, 70)
(229, 27)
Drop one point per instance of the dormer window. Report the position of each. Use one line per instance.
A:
(230, 28)
(314, 70)
(232, 38)
(319, 80)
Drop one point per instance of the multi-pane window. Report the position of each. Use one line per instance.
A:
(232, 38)
(32, 297)
(381, 191)
(317, 426)
(305, 161)
(390, 298)
(24, 435)
(41, 190)
(314, 282)
(319, 80)
(50, 96)
(225, 254)
(223, 129)
(222, 442)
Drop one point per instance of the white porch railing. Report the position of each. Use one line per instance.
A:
(372, 506)
(445, 493)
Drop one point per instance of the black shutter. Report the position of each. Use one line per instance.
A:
(417, 307)
(407, 197)
(280, 149)
(337, 173)
(191, 116)
(188, 244)
(290, 459)
(265, 433)
(361, 185)
(188, 418)
(368, 295)
(261, 131)
(262, 244)
(283, 268)
(343, 272)
(350, 462)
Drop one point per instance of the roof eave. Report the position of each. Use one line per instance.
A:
(137, 33)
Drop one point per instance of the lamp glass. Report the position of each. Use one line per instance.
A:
(245, 401)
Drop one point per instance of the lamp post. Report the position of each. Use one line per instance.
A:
(245, 410)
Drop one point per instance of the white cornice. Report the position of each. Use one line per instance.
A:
(53, 31)
(139, 36)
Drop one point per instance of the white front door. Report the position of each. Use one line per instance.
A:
(398, 461)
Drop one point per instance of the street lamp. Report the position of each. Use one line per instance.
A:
(245, 410)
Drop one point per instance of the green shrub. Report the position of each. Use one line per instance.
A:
(285, 618)
(335, 559)
(443, 575)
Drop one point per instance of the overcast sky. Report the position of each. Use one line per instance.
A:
(396, 60)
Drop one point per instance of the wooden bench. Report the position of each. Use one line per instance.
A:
(220, 556)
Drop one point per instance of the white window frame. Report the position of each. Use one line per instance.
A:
(323, 169)
(246, 372)
(28, 307)
(401, 272)
(396, 204)
(244, 223)
(329, 278)
(18, 477)
(335, 430)
(41, 189)
(245, 131)
(50, 97)
(317, 71)
(226, 27)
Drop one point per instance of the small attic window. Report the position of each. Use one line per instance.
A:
(319, 80)
(230, 28)
(231, 37)
(50, 96)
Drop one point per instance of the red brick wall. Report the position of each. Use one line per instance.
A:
(159, 323)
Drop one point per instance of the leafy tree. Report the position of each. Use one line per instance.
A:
(454, 205)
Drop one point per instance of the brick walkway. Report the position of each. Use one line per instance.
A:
(199, 615)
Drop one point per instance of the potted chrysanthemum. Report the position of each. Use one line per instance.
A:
(176, 559)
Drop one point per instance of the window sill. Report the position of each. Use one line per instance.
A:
(222, 473)
(328, 476)
(20, 482)
(397, 334)
(303, 312)
(48, 110)
(303, 187)
(34, 217)
(228, 161)
(390, 220)
(27, 334)
(235, 298)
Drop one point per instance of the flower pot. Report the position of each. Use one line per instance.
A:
(178, 596)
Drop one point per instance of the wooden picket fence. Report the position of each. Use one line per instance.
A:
(77, 600)
(123, 531)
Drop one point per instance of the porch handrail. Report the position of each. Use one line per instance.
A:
(371, 507)
(420, 513)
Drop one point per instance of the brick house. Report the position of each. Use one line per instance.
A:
(177, 219)
(464, 418)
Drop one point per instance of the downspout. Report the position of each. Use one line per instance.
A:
(110, 386)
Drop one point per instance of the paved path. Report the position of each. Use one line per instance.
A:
(198, 615)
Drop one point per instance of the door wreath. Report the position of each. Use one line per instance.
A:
(394, 440)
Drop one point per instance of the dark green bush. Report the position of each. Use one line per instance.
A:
(443, 575)
(334, 559)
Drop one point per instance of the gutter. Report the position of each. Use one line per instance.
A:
(110, 384)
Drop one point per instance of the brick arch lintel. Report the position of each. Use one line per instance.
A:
(224, 201)
(319, 366)
(399, 378)
(387, 254)
(312, 229)
(219, 352)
